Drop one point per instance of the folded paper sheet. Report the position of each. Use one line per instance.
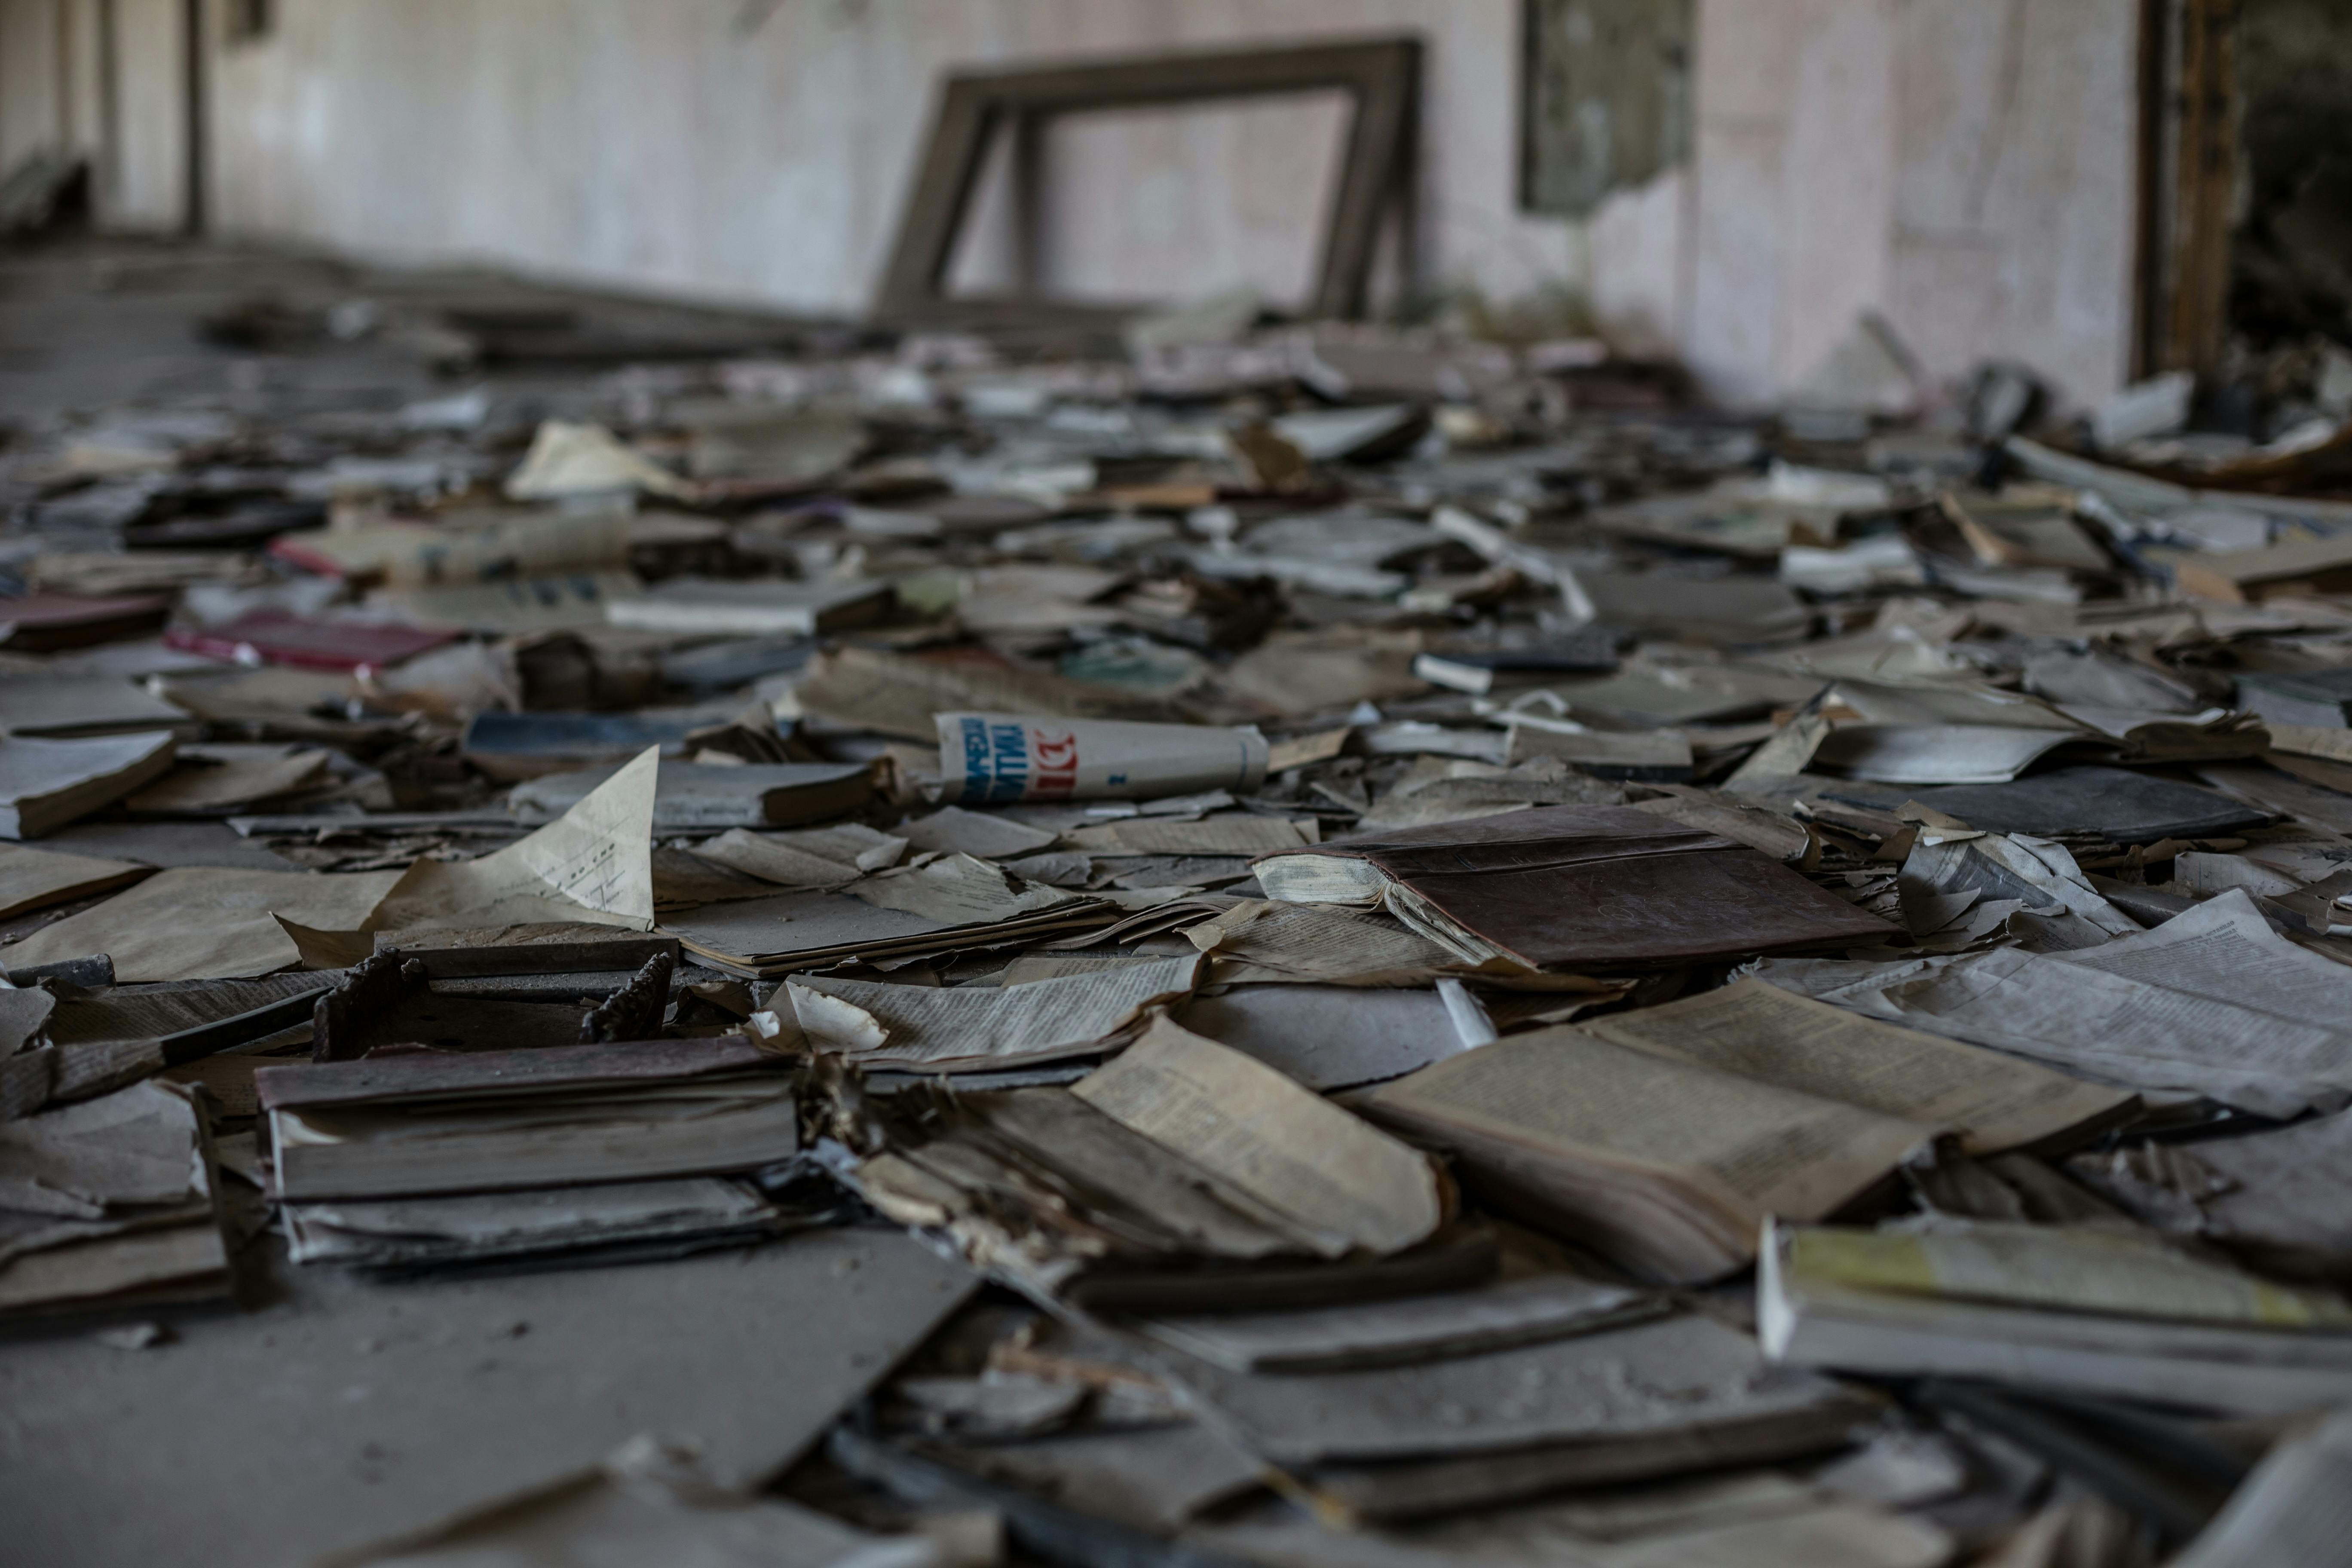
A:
(595, 863)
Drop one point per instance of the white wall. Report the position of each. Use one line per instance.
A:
(1966, 167)
(659, 147)
(52, 94)
(2016, 189)
(31, 117)
(148, 184)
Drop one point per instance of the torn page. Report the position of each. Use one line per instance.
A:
(570, 459)
(1315, 746)
(2039, 873)
(1259, 939)
(925, 1030)
(758, 855)
(23, 1012)
(127, 1148)
(1326, 1037)
(1784, 839)
(896, 694)
(108, 1202)
(958, 889)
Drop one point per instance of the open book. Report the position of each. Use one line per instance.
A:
(1992, 1103)
(1665, 1165)
(1574, 886)
(1658, 1136)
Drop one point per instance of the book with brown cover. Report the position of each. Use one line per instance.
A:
(1576, 886)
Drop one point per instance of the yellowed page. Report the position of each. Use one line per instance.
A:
(595, 863)
(209, 923)
(31, 879)
(1281, 1143)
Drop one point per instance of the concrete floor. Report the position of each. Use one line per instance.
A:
(90, 323)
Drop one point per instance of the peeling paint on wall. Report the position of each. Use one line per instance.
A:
(1606, 103)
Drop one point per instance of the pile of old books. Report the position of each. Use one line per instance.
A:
(928, 960)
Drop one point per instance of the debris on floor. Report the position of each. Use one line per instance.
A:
(897, 952)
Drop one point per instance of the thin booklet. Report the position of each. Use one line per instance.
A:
(2109, 1311)
(419, 1120)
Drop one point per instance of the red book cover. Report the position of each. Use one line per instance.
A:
(275, 636)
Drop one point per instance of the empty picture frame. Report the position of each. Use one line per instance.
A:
(1382, 76)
